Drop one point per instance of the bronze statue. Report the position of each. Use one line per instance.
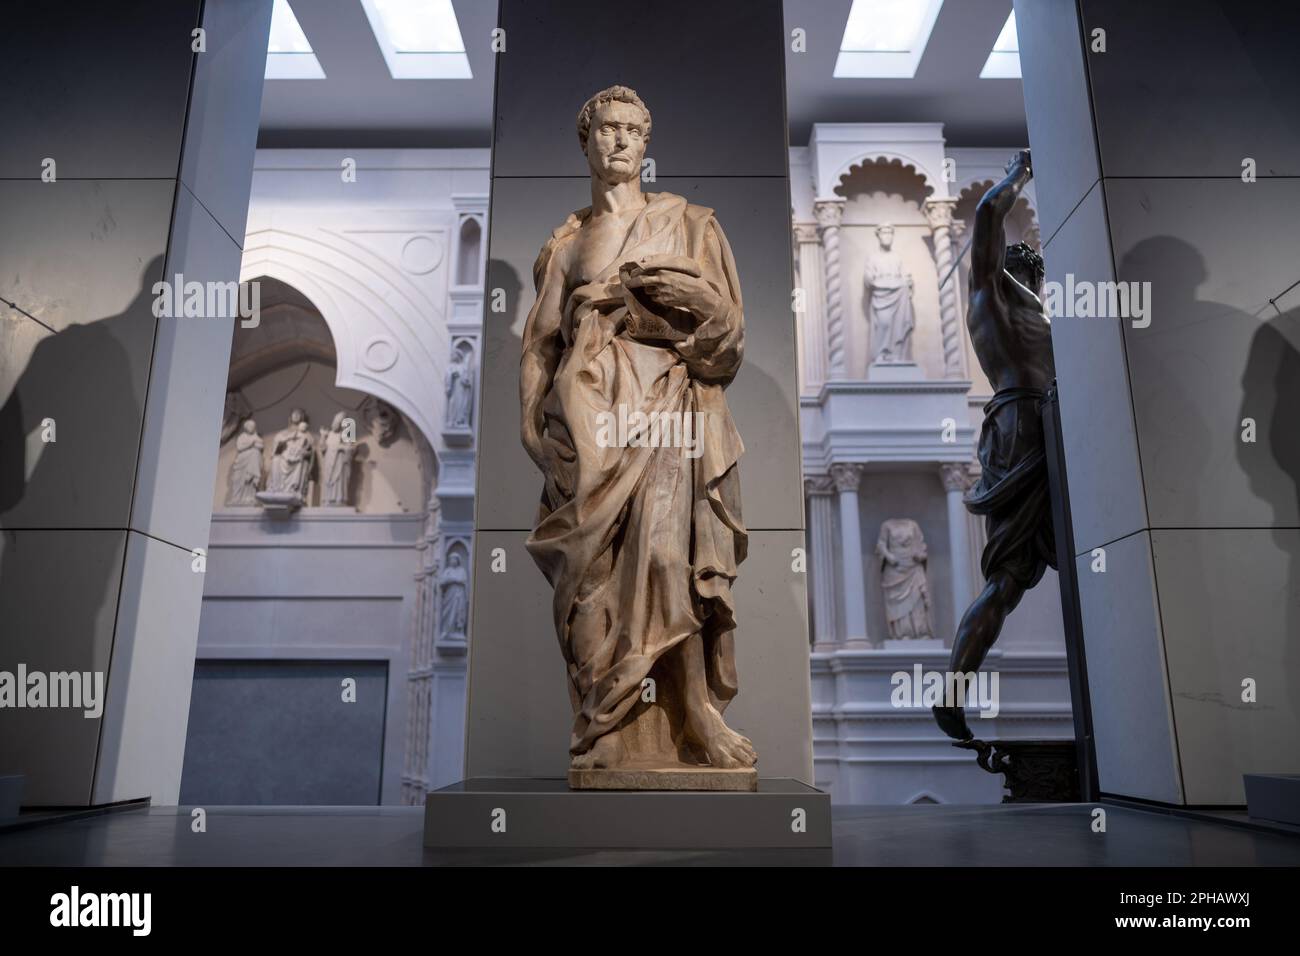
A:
(638, 317)
(1013, 341)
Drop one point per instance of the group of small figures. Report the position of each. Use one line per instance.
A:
(294, 455)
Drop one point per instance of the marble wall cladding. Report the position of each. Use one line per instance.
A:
(1216, 351)
(186, 389)
(525, 732)
(100, 88)
(59, 591)
(1059, 112)
(1193, 87)
(140, 755)
(691, 79)
(1133, 724)
(763, 398)
(84, 267)
(252, 722)
(228, 79)
(1226, 597)
(1107, 498)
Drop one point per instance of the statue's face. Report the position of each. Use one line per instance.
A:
(249, 427)
(455, 560)
(295, 416)
(616, 142)
(886, 237)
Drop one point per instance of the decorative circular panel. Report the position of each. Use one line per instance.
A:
(379, 354)
(421, 255)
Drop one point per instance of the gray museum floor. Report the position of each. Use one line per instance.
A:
(1006, 835)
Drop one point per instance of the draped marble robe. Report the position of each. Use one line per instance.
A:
(643, 541)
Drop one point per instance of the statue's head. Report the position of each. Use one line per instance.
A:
(613, 129)
(454, 560)
(1025, 266)
(296, 416)
(885, 234)
(250, 426)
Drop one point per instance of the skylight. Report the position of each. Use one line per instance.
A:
(884, 39)
(288, 54)
(420, 39)
(1004, 62)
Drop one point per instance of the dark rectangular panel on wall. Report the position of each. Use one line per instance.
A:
(280, 733)
(712, 76)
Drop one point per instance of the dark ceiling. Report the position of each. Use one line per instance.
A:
(360, 105)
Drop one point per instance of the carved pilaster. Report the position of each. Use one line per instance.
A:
(830, 213)
(939, 214)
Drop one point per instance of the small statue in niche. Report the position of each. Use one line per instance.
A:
(245, 475)
(459, 386)
(1013, 342)
(888, 290)
(235, 411)
(903, 558)
(293, 453)
(338, 445)
(381, 420)
(453, 605)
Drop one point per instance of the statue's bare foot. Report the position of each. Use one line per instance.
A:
(952, 721)
(726, 749)
(606, 752)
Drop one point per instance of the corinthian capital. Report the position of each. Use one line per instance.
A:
(805, 232)
(956, 476)
(828, 212)
(818, 485)
(939, 213)
(847, 477)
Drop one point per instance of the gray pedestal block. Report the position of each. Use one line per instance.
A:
(513, 812)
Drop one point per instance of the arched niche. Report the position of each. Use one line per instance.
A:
(287, 361)
(1021, 221)
(469, 251)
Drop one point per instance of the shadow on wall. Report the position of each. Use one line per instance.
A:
(1271, 394)
(58, 580)
(1179, 374)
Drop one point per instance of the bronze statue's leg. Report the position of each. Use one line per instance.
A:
(979, 628)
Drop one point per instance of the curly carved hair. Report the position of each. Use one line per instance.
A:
(613, 94)
(1023, 257)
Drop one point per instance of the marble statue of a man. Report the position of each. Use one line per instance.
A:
(888, 292)
(245, 476)
(903, 558)
(453, 606)
(459, 387)
(337, 449)
(638, 311)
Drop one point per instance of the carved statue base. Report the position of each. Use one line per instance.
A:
(743, 779)
(1035, 771)
(894, 372)
(279, 504)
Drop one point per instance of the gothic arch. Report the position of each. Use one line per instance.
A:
(380, 292)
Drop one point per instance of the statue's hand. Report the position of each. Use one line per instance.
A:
(1021, 161)
(678, 290)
